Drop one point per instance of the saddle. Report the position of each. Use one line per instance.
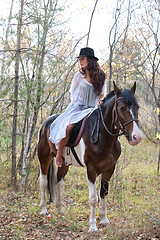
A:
(76, 133)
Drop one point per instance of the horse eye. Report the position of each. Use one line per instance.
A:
(122, 109)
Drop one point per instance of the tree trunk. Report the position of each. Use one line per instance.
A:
(14, 129)
(158, 162)
(25, 153)
(110, 67)
(91, 22)
(6, 41)
(34, 115)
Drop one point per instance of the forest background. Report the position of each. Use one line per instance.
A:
(39, 43)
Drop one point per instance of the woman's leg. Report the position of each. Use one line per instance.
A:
(62, 144)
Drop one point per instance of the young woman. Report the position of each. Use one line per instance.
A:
(87, 89)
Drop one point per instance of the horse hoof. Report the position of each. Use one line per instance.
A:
(93, 229)
(104, 222)
(43, 213)
(60, 211)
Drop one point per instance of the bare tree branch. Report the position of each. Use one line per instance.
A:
(91, 22)
(156, 220)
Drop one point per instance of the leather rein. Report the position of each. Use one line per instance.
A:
(122, 125)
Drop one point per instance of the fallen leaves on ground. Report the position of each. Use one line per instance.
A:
(20, 219)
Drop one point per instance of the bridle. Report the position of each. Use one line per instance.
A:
(122, 125)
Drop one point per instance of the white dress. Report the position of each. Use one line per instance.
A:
(83, 102)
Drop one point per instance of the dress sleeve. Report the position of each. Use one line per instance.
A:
(74, 85)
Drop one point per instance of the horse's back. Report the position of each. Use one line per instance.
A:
(46, 124)
(49, 121)
(44, 131)
(44, 148)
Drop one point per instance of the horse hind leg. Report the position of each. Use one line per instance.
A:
(54, 180)
(43, 185)
(59, 196)
(45, 158)
(62, 171)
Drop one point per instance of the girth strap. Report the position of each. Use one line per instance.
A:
(76, 156)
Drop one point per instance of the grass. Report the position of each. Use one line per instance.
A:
(134, 192)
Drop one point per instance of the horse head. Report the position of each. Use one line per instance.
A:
(125, 114)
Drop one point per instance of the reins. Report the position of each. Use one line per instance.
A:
(112, 134)
(122, 125)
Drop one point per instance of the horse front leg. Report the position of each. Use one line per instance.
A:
(103, 194)
(102, 205)
(93, 199)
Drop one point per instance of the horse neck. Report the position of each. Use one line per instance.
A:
(108, 120)
(107, 113)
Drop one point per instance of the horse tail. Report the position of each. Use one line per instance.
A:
(51, 177)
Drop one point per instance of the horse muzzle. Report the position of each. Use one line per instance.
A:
(136, 135)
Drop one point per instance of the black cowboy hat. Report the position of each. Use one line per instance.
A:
(88, 52)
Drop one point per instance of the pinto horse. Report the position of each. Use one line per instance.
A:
(98, 153)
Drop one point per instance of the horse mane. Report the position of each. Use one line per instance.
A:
(127, 95)
(109, 96)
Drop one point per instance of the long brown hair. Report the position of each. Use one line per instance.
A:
(96, 75)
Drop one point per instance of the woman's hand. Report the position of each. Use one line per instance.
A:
(100, 102)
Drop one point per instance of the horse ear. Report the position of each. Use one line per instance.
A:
(117, 90)
(133, 89)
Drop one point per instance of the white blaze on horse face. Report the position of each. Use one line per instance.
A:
(136, 132)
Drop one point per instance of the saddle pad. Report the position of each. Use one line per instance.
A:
(76, 133)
